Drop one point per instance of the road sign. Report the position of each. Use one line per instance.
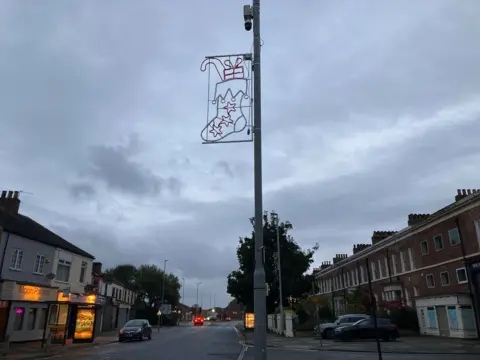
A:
(166, 309)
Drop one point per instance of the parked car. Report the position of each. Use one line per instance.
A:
(198, 320)
(228, 318)
(137, 329)
(365, 329)
(327, 330)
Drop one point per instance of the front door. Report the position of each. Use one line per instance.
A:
(443, 327)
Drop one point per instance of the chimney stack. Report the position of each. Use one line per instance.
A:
(339, 257)
(462, 193)
(414, 219)
(325, 264)
(380, 236)
(97, 268)
(10, 201)
(359, 247)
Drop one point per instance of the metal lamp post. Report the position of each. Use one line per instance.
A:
(163, 287)
(279, 267)
(230, 71)
(183, 296)
(196, 305)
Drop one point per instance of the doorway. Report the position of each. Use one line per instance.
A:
(443, 326)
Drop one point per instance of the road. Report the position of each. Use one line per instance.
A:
(209, 342)
(219, 342)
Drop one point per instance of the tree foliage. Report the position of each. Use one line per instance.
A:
(294, 264)
(147, 280)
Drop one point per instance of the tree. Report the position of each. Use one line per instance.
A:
(294, 261)
(147, 280)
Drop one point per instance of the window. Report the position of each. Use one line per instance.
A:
(387, 268)
(39, 262)
(410, 257)
(63, 270)
(430, 281)
(32, 317)
(403, 262)
(438, 241)
(374, 275)
(445, 278)
(18, 320)
(362, 275)
(380, 269)
(424, 247)
(356, 277)
(407, 297)
(83, 270)
(43, 318)
(454, 236)
(462, 276)
(394, 264)
(477, 227)
(17, 259)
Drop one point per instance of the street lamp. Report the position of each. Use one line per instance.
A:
(279, 267)
(183, 290)
(251, 15)
(163, 286)
(196, 305)
(183, 295)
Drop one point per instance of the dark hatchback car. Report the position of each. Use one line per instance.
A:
(137, 329)
(365, 329)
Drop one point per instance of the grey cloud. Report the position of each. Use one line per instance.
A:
(222, 167)
(82, 190)
(113, 166)
(232, 169)
(195, 257)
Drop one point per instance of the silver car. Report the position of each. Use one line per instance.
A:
(327, 330)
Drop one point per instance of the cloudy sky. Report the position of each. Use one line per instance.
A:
(370, 109)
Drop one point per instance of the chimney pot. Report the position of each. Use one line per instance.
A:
(469, 192)
(464, 192)
(459, 192)
(15, 194)
(4, 194)
(10, 194)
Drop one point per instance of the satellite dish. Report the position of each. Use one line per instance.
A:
(50, 276)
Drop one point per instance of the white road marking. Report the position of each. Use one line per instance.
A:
(242, 352)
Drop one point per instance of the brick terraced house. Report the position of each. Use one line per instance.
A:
(432, 265)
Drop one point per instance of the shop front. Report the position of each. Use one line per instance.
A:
(73, 316)
(474, 278)
(24, 309)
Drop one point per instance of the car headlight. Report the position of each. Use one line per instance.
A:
(139, 330)
(121, 332)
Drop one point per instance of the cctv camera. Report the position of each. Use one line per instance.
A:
(248, 24)
(247, 16)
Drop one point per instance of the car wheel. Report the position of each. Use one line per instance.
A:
(328, 334)
(150, 336)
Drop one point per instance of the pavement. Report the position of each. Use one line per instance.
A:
(421, 345)
(286, 354)
(33, 350)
